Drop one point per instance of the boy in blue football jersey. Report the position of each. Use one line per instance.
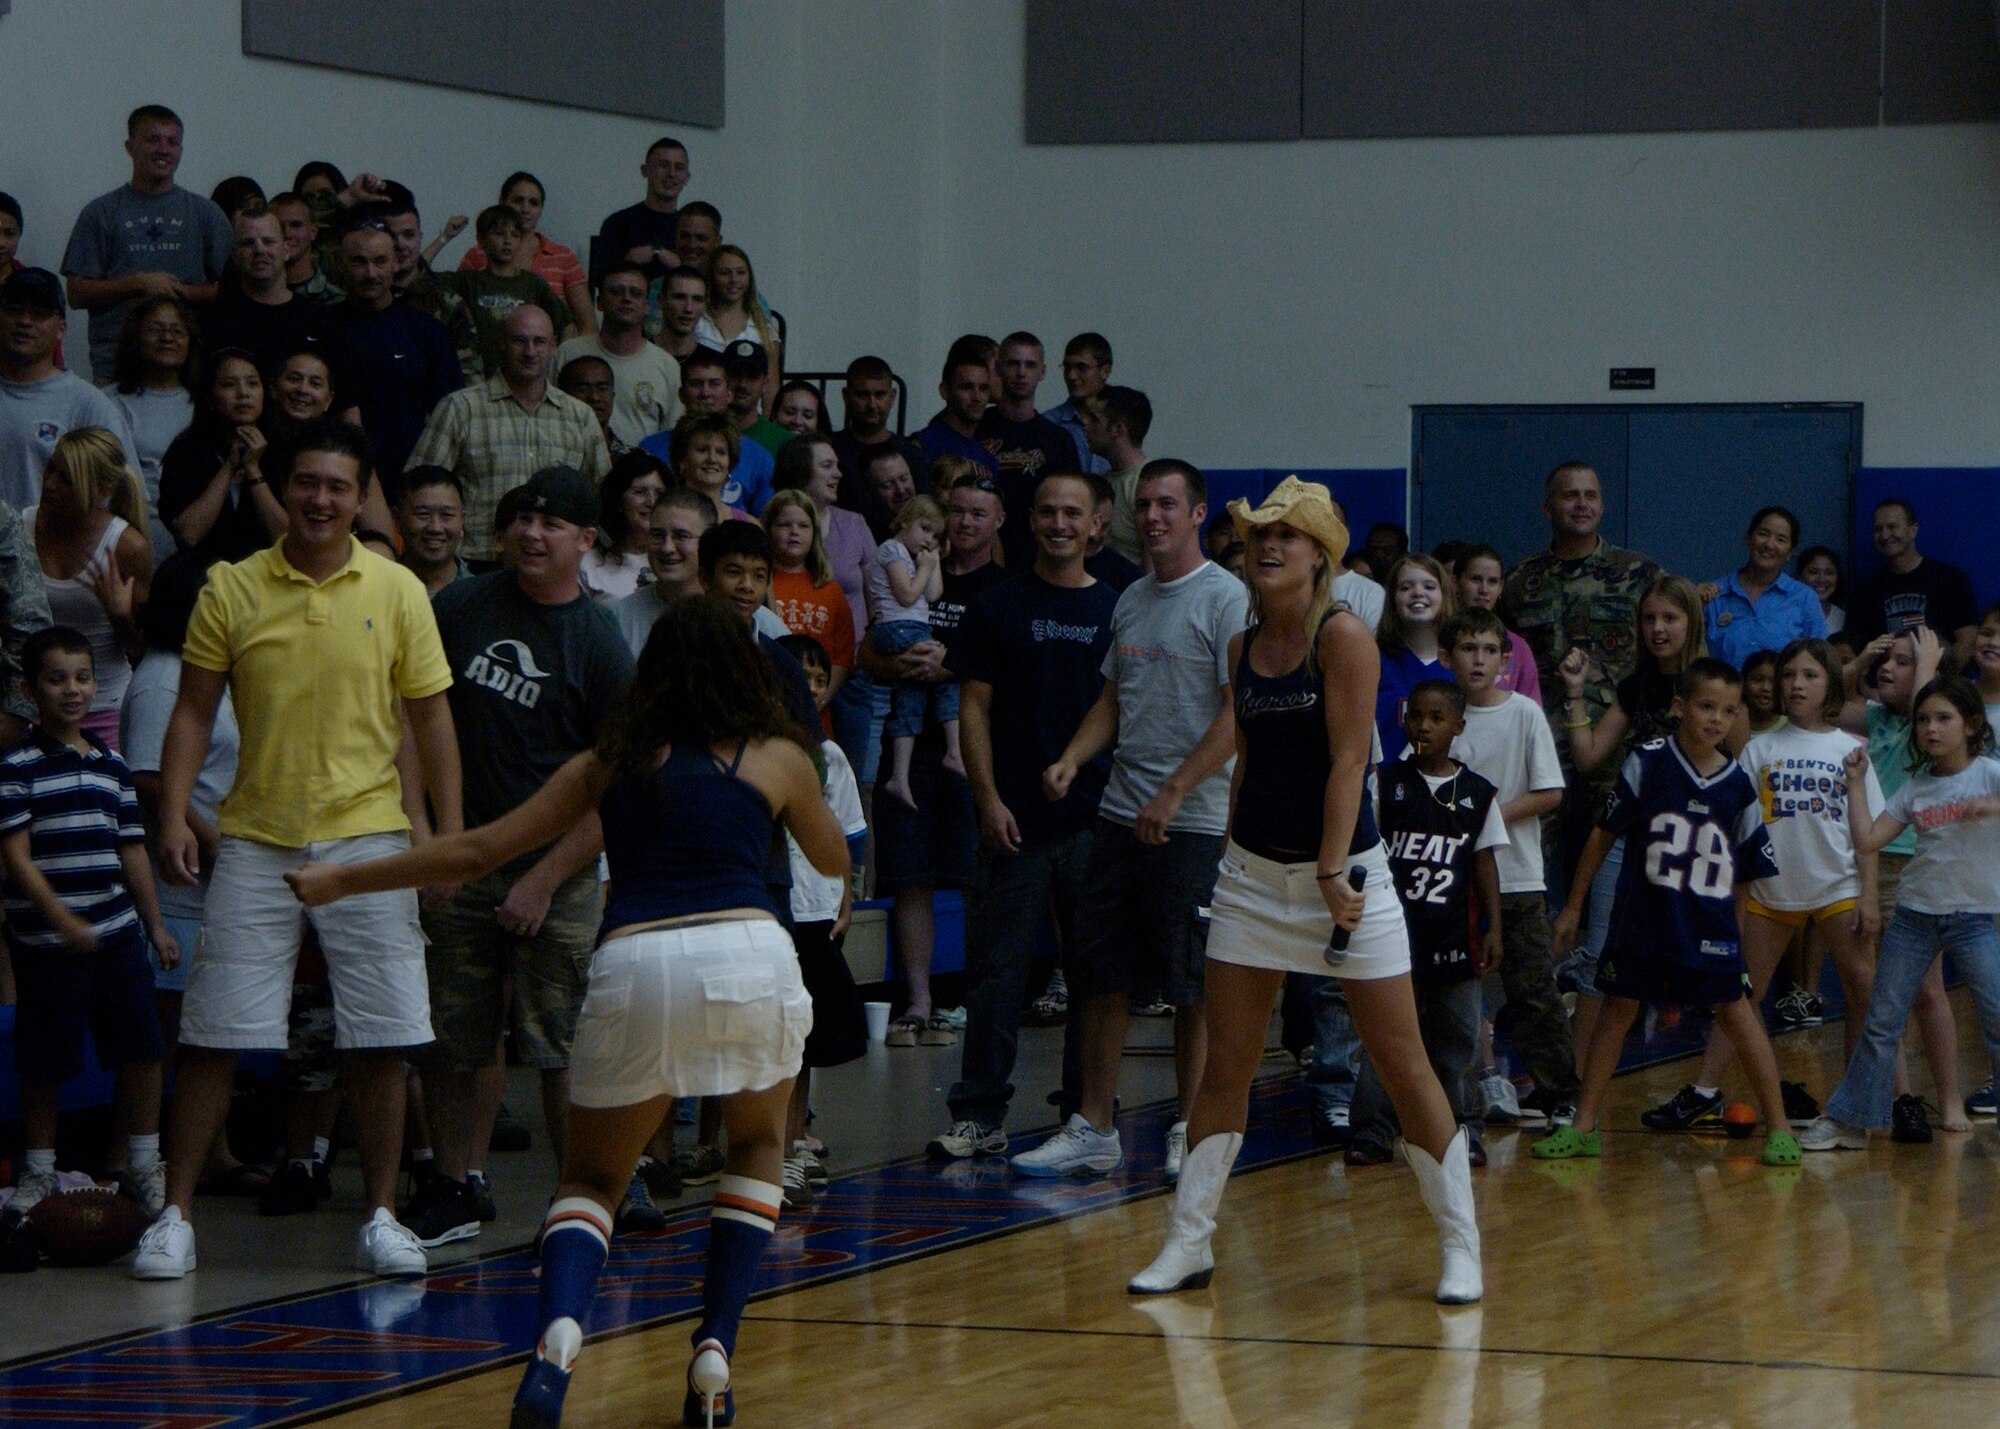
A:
(1694, 842)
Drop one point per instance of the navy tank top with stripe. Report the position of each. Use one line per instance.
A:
(690, 837)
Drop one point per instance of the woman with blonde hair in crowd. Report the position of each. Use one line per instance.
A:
(735, 311)
(97, 560)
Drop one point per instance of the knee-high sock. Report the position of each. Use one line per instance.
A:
(739, 1227)
(576, 1238)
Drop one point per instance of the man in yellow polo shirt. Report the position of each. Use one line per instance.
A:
(325, 647)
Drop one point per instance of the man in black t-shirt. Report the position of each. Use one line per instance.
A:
(260, 314)
(1030, 652)
(1911, 589)
(869, 399)
(537, 665)
(918, 851)
(1025, 445)
(644, 233)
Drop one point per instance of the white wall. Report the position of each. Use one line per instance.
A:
(1282, 303)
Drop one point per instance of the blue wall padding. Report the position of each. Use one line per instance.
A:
(1955, 506)
(1367, 494)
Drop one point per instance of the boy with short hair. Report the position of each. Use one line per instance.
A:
(1506, 741)
(503, 285)
(79, 889)
(1695, 841)
(1441, 827)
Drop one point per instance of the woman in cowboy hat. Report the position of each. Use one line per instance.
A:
(1305, 887)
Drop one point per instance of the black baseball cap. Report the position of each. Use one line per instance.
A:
(744, 358)
(35, 288)
(561, 492)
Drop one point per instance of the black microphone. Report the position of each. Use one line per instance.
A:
(1336, 950)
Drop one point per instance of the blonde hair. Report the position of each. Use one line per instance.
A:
(1318, 609)
(96, 466)
(1681, 592)
(817, 565)
(1390, 632)
(917, 508)
(753, 309)
(947, 471)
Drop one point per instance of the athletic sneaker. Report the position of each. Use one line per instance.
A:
(968, 1138)
(1908, 1123)
(1149, 1007)
(166, 1250)
(1823, 1133)
(1685, 1110)
(1052, 1007)
(952, 1017)
(1503, 1102)
(662, 1181)
(698, 1165)
(1799, 1008)
(386, 1246)
(798, 1191)
(149, 1187)
(1078, 1148)
(1330, 1126)
(441, 1212)
(1545, 1108)
(815, 1167)
(637, 1215)
(510, 1133)
(1800, 1104)
(1367, 1153)
(1982, 1103)
(293, 1191)
(482, 1198)
(33, 1188)
(1176, 1149)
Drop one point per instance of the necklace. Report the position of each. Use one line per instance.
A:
(1449, 789)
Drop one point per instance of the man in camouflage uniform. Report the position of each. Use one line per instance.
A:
(1581, 591)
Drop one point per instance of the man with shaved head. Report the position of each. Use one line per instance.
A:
(498, 433)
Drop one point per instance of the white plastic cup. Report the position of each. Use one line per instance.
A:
(877, 1014)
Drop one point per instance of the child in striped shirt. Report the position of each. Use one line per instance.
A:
(79, 889)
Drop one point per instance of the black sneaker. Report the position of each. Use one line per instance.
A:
(482, 1198)
(637, 1215)
(1908, 1123)
(1981, 1104)
(1685, 1110)
(293, 1191)
(1800, 1107)
(441, 1212)
(1330, 1125)
(510, 1133)
(1542, 1107)
(663, 1183)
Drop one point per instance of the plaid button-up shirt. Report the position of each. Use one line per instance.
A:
(494, 444)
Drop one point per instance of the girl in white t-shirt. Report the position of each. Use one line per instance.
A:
(1949, 897)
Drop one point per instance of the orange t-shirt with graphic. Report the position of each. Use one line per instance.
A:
(820, 611)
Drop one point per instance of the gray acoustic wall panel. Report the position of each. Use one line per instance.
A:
(1393, 68)
(640, 57)
(1940, 62)
(1732, 64)
(1162, 71)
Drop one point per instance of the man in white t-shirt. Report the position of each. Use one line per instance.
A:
(1507, 743)
(645, 380)
(1355, 591)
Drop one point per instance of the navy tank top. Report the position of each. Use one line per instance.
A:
(688, 838)
(1281, 799)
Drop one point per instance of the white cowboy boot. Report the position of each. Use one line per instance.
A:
(1447, 1188)
(1185, 1261)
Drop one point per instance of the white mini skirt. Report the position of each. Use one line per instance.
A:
(1266, 914)
(690, 1012)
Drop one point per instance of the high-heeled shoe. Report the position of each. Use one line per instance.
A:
(538, 1402)
(710, 1401)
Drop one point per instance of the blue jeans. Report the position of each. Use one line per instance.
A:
(909, 699)
(1597, 922)
(1336, 1058)
(1909, 946)
(851, 723)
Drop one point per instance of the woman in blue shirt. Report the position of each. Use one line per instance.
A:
(1760, 607)
(694, 987)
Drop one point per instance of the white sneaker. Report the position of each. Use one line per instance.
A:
(1503, 1102)
(166, 1250)
(968, 1138)
(1078, 1147)
(32, 1189)
(388, 1247)
(1823, 1133)
(1176, 1149)
(147, 1187)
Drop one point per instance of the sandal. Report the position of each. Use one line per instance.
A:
(1566, 1143)
(903, 1032)
(937, 1033)
(1781, 1148)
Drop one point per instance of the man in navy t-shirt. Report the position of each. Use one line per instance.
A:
(1030, 652)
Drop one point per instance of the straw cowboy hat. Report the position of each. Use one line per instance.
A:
(1304, 506)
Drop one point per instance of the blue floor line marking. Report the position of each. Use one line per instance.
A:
(290, 1361)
